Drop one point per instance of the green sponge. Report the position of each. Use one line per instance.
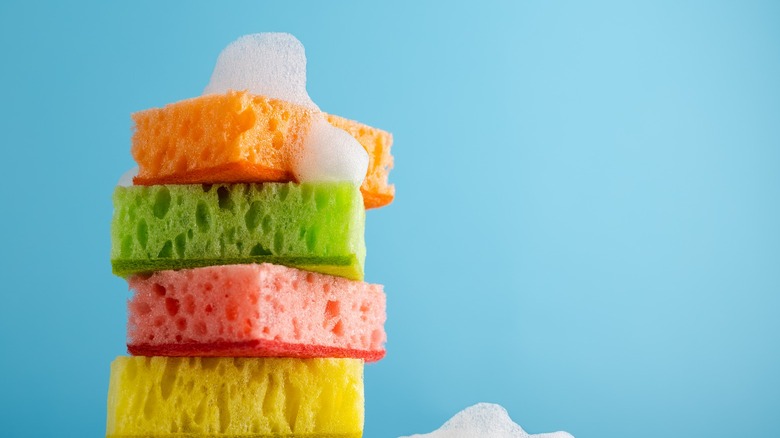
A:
(312, 226)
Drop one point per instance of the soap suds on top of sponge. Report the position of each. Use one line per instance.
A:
(330, 154)
(484, 420)
(274, 65)
(269, 64)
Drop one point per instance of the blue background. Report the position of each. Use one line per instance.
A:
(586, 222)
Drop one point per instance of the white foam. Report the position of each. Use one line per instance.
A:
(126, 180)
(484, 420)
(274, 65)
(330, 154)
(269, 64)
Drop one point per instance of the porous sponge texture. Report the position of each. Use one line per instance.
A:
(238, 137)
(235, 397)
(313, 226)
(255, 310)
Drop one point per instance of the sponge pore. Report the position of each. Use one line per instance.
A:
(238, 137)
(235, 397)
(255, 310)
(315, 226)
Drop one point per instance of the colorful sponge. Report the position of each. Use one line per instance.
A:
(240, 137)
(316, 227)
(235, 397)
(255, 310)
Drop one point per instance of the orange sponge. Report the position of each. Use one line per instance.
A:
(240, 137)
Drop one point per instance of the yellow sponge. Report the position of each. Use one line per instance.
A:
(235, 397)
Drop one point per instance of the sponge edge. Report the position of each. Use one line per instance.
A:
(232, 397)
(257, 311)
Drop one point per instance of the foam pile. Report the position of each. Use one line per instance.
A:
(484, 420)
(271, 64)
(241, 235)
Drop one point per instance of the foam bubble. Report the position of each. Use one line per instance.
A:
(330, 154)
(126, 180)
(274, 65)
(485, 420)
(268, 64)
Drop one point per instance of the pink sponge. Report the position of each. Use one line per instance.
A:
(255, 310)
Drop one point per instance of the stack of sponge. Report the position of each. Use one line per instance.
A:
(249, 316)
